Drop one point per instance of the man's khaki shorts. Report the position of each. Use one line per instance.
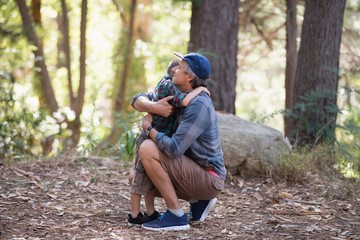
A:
(190, 180)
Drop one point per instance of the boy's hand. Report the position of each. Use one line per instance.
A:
(205, 90)
(147, 121)
(131, 176)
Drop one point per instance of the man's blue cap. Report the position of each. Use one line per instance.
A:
(198, 63)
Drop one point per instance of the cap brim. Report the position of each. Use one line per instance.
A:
(179, 55)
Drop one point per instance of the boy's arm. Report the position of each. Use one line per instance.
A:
(193, 94)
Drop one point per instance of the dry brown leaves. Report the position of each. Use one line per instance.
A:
(89, 199)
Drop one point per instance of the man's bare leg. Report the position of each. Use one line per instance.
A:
(174, 218)
(150, 158)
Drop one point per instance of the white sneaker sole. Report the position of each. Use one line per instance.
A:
(208, 209)
(133, 225)
(173, 228)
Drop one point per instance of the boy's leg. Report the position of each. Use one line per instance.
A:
(141, 184)
(150, 208)
(135, 204)
(138, 172)
(149, 203)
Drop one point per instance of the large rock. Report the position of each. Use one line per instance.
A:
(250, 149)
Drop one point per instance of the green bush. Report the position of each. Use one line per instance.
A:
(19, 127)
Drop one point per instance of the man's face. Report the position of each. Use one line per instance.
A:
(181, 79)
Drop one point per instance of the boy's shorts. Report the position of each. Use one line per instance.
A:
(141, 183)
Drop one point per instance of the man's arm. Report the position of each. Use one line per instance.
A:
(143, 104)
(193, 123)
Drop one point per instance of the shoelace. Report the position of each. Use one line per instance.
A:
(163, 215)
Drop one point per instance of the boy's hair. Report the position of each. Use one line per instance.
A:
(173, 63)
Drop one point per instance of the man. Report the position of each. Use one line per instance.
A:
(189, 164)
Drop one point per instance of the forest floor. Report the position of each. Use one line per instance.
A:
(88, 198)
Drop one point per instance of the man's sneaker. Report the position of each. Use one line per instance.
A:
(201, 209)
(168, 222)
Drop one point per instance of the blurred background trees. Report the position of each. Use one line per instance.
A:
(70, 68)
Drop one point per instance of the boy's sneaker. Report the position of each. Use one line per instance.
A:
(201, 209)
(153, 216)
(142, 218)
(168, 222)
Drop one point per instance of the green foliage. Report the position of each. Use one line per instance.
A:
(348, 137)
(129, 133)
(127, 146)
(319, 164)
(314, 116)
(20, 132)
(343, 156)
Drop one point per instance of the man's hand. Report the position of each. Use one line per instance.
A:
(163, 108)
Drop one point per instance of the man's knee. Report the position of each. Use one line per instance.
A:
(147, 150)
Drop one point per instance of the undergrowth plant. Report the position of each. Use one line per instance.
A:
(128, 126)
(348, 138)
(325, 158)
(20, 128)
(301, 164)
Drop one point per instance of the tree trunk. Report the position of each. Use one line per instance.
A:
(66, 48)
(126, 55)
(214, 33)
(60, 60)
(291, 59)
(317, 73)
(78, 101)
(120, 97)
(36, 16)
(36, 11)
(81, 90)
(46, 86)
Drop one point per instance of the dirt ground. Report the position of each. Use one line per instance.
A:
(88, 198)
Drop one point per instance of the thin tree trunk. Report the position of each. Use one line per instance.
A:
(60, 62)
(120, 97)
(81, 90)
(36, 11)
(128, 55)
(66, 45)
(46, 85)
(78, 103)
(291, 59)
